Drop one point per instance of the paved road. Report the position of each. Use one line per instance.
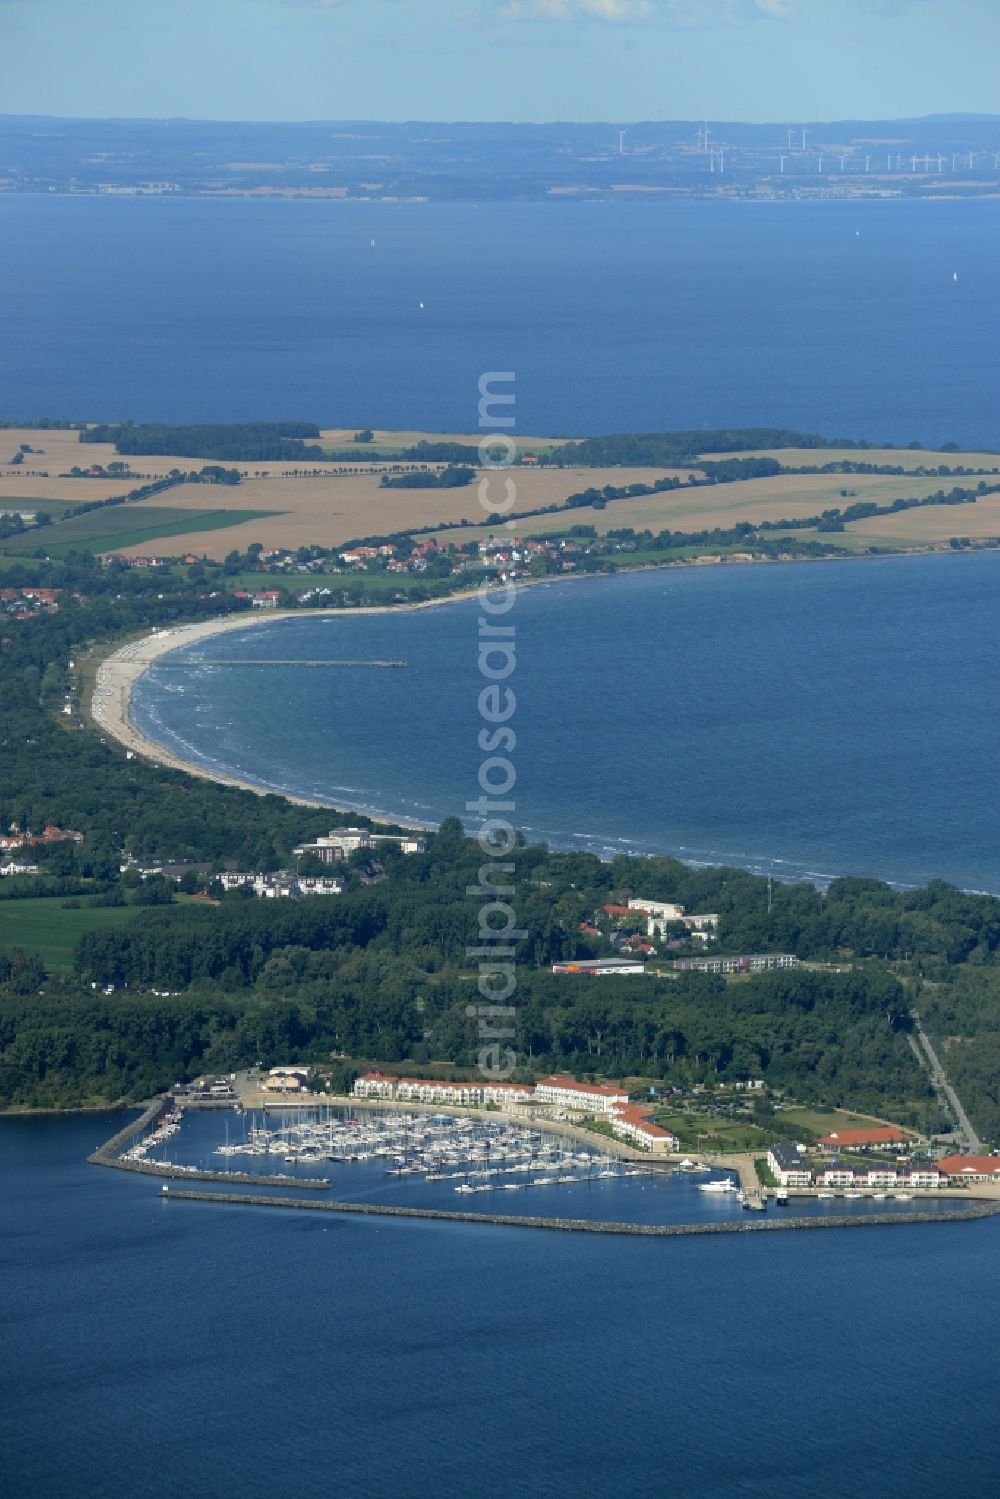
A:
(940, 1082)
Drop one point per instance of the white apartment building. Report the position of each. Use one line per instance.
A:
(340, 843)
(663, 910)
(591, 1098)
(788, 1167)
(435, 1090)
(633, 1123)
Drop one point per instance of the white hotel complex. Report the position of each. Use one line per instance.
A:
(631, 1122)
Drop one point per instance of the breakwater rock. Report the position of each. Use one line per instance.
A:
(590, 1225)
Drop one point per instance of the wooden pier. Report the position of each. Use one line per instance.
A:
(165, 663)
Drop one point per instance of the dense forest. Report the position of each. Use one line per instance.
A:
(250, 441)
(381, 973)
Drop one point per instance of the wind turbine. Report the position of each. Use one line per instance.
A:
(805, 132)
(789, 137)
(621, 142)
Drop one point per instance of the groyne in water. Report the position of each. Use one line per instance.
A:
(591, 1225)
(109, 1154)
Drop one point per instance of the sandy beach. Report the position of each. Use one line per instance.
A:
(117, 674)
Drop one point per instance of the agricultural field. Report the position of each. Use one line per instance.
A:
(55, 508)
(43, 925)
(783, 497)
(931, 525)
(130, 527)
(283, 505)
(341, 507)
(20, 491)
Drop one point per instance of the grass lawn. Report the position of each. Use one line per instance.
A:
(700, 1132)
(822, 1122)
(42, 925)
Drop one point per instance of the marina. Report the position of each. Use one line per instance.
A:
(436, 1164)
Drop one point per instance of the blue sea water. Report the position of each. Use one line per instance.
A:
(808, 719)
(221, 1351)
(841, 318)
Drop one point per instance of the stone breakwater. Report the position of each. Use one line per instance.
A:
(589, 1225)
(109, 1154)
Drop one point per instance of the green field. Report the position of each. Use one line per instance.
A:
(55, 508)
(118, 526)
(821, 1122)
(44, 926)
(703, 1132)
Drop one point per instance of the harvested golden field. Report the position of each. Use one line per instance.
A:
(932, 523)
(67, 491)
(331, 510)
(784, 497)
(908, 458)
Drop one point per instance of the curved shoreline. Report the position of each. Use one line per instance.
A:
(110, 703)
(107, 702)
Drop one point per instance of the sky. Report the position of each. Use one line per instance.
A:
(617, 60)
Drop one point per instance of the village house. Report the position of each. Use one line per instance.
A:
(49, 835)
